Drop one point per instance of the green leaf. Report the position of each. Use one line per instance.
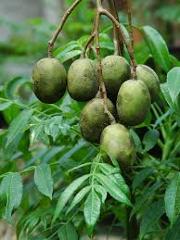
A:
(172, 199)
(18, 125)
(69, 55)
(5, 105)
(122, 184)
(66, 195)
(52, 126)
(79, 197)
(175, 62)
(173, 83)
(115, 175)
(142, 52)
(67, 232)
(163, 117)
(52, 151)
(101, 191)
(92, 208)
(150, 217)
(136, 140)
(107, 45)
(168, 13)
(43, 180)
(141, 176)
(108, 169)
(113, 189)
(126, 33)
(166, 94)
(150, 139)
(174, 232)
(37, 133)
(72, 151)
(11, 190)
(32, 220)
(146, 197)
(12, 86)
(61, 52)
(82, 41)
(158, 47)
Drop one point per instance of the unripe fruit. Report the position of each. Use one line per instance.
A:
(82, 80)
(133, 102)
(117, 143)
(150, 78)
(93, 119)
(49, 80)
(115, 70)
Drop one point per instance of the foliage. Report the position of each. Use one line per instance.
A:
(53, 181)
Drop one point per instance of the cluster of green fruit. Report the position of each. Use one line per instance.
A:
(132, 98)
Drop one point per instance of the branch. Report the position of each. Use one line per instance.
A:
(118, 40)
(89, 41)
(102, 88)
(117, 35)
(60, 27)
(129, 11)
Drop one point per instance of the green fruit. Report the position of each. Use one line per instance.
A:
(93, 119)
(150, 78)
(133, 102)
(117, 143)
(49, 80)
(82, 80)
(115, 70)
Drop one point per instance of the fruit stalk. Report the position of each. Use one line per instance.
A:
(89, 41)
(60, 27)
(117, 35)
(118, 43)
(102, 88)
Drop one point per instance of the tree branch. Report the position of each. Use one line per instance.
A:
(60, 27)
(89, 41)
(117, 35)
(102, 88)
(129, 11)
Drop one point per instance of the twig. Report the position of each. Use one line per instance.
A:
(89, 41)
(118, 43)
(117, 35)
(96, 33)
(129, 11)
(60, 27)
(102, 87)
